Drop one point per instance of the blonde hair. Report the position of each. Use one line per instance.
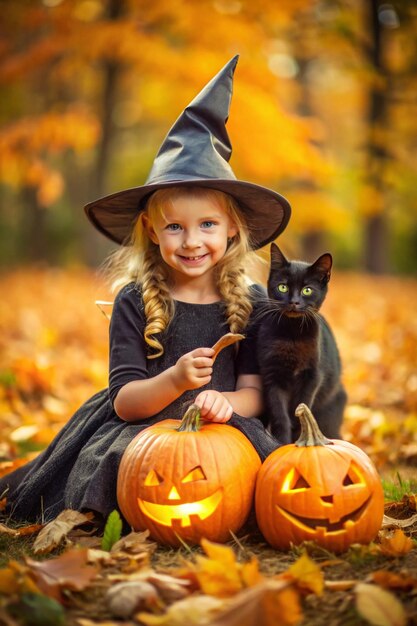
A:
(141, 262)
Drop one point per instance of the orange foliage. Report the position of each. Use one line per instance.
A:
(54, 356)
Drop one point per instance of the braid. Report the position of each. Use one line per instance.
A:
(157, 300)
(234, 290)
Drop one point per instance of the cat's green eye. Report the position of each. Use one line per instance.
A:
(282, 288)
(306, 291)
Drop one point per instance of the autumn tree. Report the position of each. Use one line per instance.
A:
(92, 87)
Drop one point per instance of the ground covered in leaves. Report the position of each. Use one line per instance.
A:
(53, 356)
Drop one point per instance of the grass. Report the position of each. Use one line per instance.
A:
(396, 489)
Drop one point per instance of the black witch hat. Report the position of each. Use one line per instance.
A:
(196, 152)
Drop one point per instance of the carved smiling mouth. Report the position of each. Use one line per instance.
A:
(165, 513)
(310, 524)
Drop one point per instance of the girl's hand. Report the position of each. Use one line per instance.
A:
(194, 369)
(215, 407)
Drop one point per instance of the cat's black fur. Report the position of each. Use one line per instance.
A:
(298, 356)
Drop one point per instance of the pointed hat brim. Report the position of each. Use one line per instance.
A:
(196, 152)
(266, 212)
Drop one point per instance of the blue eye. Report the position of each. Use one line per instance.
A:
(173, 227)
(282, 288)
(306, 291)
(208, 224)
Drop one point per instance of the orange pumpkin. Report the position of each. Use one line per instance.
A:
(187, 480)
(321, 490)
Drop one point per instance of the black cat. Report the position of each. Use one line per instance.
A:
(298, 356)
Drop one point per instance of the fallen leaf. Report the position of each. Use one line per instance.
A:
(22, 531)
(192, 611)
(67, 571)
(134, 542)
(397, 544)
(9, 466)
(307, 575)
(169, 588)
(5, 530)
(15, 578)
(89, 622)
(378, 606)
(53, 533)
(339, 585)
(391, 580)
(125, 598)
(270, 603)
(390, 522)
(9, 583)
(220, 574)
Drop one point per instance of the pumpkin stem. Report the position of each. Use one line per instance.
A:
(191, 421)
(311, 434)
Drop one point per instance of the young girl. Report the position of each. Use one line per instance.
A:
(182, 285)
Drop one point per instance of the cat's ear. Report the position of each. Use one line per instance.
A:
(277, 257)
(323, 266)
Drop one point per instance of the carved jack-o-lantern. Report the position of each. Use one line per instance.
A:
(188, 481)
(322, 490)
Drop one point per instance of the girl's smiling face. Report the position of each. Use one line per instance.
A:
(192, 234)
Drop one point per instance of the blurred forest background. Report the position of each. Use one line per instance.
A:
(324, 111)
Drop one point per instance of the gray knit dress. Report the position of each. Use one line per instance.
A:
(78, 469)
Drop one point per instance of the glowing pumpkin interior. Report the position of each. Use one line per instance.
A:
(177, 508)
(332, 504)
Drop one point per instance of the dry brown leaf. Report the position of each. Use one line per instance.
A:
(89, 622)
(126, 598)
(193, 611)
(5, 530)
(22, 531)
(56, 531)
(396, 544)
(339, 585)
(391, 580)
(378, 606)
(392, 522)
(268, 604)
(226, 340)
(134, 542)
(70, 570)
(169, 588)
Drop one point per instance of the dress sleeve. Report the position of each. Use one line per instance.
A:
(127, 346)
(247, 358)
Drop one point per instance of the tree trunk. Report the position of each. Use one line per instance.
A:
(34, 244)
(375, 228)
(313, 240)
(95, 245)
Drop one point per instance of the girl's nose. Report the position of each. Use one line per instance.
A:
(191, 240)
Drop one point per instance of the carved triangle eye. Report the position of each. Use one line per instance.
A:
(301, 483)
(153, 479)
(353, 476)
(294, 480)
(195, 474)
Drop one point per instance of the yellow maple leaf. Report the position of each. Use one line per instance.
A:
(220, 574)
(396, 544)
(306, 574)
